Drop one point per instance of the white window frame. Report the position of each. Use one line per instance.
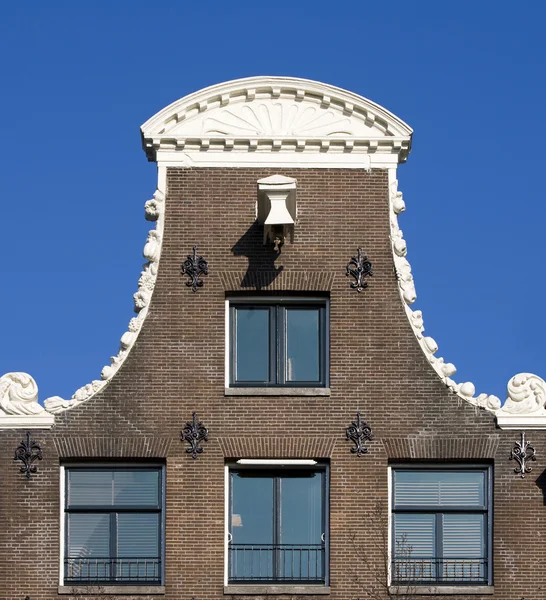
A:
(62, 504)
(268, 300)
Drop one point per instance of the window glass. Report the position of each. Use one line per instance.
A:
(440, 488)
(302, 344)
(277, 526)
(121, 544)
(302, 516)
(252, 344)
(252, 509)
(441, 522)
(89, 535)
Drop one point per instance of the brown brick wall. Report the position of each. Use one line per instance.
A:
(177, 367)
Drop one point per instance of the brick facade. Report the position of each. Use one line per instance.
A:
(177, 367)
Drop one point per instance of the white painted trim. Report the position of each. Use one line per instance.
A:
(62, 485)
(226, 523)
(226, 346)
(304, 117)
(276, 461)
(521, 422)
(389, 525)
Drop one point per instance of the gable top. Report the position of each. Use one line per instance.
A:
(273, 115)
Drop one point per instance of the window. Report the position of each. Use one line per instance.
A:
(113, 525)
(441, 526)
(277, 523)
(278, 342)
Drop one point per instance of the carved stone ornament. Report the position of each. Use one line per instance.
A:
(359, 267)
(523, 452)
(28, 452)
(406, 286)
(276, 121)
(194, 433)
(195, 266)
(359, 432)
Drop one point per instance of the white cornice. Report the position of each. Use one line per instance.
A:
(273, 121)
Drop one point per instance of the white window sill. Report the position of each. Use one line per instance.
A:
(276, 391)
(118, 590)
(277, 590)
(442, 590)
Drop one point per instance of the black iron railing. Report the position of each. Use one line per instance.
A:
(445, 570)
(112, 570)
(277, 562)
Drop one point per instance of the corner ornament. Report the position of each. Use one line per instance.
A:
(359, 267)
(523, 452)
(193, 267)
(194, 433)
(359, 432)
(28, 452)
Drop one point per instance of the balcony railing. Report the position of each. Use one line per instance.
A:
(277, 563)
(112, 570)
(445, 570)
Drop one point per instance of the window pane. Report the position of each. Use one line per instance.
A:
(88, 535)
(414, 547)
(439, 488)
(88, 552)
(302, 344)
(89, 487)
(301, 527)
(251, 548)
(252, 509)
(138, 546)
(464, 544)
(136, 487)
(302, 509)
(252, 343)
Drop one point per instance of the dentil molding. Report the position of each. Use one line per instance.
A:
(276, 121)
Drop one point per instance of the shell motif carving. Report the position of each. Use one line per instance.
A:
(282, 119)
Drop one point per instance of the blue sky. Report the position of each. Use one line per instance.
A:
(79, 78)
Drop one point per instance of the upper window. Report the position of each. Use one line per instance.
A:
(441, 526)
(278, 525)
(113, 525)
(278, 342)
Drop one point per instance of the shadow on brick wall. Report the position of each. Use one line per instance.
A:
(261, 270)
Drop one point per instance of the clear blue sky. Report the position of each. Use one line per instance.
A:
(79, 78)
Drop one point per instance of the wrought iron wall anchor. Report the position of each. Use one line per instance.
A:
(523, 452)
(194, 433)
(359, 267)
(359, 432)
(28, 452)
(193, 267)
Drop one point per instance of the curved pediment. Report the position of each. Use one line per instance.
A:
(274, 115)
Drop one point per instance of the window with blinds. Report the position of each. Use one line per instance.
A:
(113, 525)
(441, 524)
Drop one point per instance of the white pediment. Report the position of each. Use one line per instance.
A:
(273, 114)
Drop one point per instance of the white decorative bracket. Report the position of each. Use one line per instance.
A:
(276, 208)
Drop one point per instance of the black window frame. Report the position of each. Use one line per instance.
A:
(439, 510)
(278, 306)
(159, 508)
(277, 471)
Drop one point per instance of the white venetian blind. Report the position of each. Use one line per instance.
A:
(113, 487)
(414, 535)
(88, 535)
(439, 488)
(464, 535)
